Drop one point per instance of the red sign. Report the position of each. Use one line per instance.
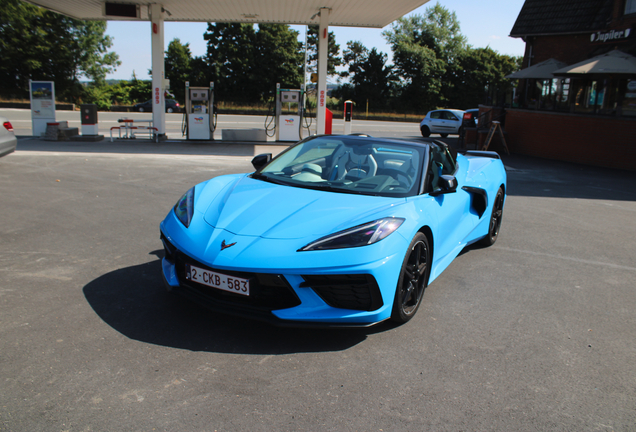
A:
(322, 98)
(157, 95)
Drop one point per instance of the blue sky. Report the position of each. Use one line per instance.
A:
(483, 23)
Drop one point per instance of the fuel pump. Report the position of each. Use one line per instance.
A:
(199, 114)
(289, 126)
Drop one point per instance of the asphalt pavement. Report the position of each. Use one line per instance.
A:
(535, 333)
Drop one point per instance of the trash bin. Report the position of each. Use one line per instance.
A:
(89, 119)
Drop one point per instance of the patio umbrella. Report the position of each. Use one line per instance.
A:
(613, 63)
(541, 70)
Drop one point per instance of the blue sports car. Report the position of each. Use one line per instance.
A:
(334, 231)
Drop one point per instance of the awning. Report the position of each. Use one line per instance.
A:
(613, 63)
(541, 70)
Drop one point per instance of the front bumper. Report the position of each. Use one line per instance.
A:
(357, 295)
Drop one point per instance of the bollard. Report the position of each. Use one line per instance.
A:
(348, 111)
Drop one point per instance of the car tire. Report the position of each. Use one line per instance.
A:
(168, 110)
(443, 135)
(426, 132)
(141, 109)
(413, 279)
(495, 220)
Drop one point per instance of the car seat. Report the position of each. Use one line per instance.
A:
(352, 166)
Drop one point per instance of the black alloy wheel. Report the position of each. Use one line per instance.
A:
(495, 220)
(141, 109)
(413, 279)
(426, 132)
(169, 110)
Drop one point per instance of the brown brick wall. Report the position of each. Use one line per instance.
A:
(589, 140)
(569, 49)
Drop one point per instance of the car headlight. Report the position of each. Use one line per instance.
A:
(361, 235)
(185, 207)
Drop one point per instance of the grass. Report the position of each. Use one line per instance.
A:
(263, 109)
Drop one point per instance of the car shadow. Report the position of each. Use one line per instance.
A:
(134, 302)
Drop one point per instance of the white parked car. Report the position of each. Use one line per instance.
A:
(8, 141)
(443, 122)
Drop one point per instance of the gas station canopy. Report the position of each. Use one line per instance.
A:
(324, 13)
(355, 13)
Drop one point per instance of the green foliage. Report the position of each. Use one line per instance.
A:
(333, 59)
(120, 93)
(42, 45)
(199, 72)
(425, 48)
(246, 64)
(231, 57)
(280, 57)
(477, 71)
(139, 91)
(178, 64)
(98, 95)
(370, 77)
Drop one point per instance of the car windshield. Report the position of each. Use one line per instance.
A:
(349, 164)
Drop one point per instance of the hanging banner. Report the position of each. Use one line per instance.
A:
(42, 105)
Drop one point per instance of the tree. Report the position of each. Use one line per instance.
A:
(480, 69)
(333, 49)
(178, 67)
(231, 55)
(90, 51)
(280, 57)
(426, 48)
(246, 64)
(370, 77)
(140, 91)
(41, 45)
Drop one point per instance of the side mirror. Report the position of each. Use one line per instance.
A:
(447, 184)
(261, 160)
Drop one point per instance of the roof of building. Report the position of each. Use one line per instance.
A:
(541, 17)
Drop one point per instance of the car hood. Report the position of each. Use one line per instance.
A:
(256, 208)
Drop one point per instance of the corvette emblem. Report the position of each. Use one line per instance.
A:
(225, 246)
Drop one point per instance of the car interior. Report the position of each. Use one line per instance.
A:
(442, 162)
(372, 167)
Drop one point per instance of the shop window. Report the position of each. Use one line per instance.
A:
(550, 95)
(629, 99)
(590, 95)
(610, 91)
(548, 90)
(563, 94)
(630, 7)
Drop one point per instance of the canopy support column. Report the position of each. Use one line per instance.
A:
(158, 70)
(323, 51)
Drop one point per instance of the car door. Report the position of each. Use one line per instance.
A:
(450, 122)
(436, 123)
(455, 221)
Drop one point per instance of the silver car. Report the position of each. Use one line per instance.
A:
(8, 140)
(443, 122)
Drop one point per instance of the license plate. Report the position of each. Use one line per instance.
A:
(217, 280)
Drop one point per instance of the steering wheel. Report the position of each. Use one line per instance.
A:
(396, 174)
